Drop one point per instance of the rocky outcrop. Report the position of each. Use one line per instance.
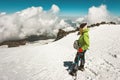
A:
(98, 24)
(14, 43)
(62, 33)
(32, 38)
(111, 23)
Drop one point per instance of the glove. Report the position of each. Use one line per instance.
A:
(80, 50)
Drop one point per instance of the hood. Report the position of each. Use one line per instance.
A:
(85, 30)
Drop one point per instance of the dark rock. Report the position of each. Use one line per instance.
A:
(14, 43)
(115, 56)
(61, 34)
(97, 24)
(103, 23)
(77, 29)
(111, 23)
(92, 25)
(33, 38)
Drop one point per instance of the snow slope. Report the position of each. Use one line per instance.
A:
(48, 62)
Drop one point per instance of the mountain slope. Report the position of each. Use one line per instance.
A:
(47, 62)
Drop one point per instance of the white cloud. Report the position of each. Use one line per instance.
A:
(55, 8)
(31, 21)
(97, 15)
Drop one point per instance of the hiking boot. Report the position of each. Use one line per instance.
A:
(81, 68)
(72, 73)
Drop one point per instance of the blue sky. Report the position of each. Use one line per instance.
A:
(67, 7)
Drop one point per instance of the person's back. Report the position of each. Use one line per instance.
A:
(84, 39)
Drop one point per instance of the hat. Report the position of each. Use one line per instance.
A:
(83, 25)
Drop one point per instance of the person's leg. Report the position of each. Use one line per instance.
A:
(76, 62)
(75, 66)
(82, 57)
(77, 58)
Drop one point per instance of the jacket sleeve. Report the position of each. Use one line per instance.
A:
(86, 42)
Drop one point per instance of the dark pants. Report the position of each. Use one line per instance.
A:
(80, 57)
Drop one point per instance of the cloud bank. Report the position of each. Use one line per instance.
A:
(31, 21)
(37, 21)
(97, 15)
